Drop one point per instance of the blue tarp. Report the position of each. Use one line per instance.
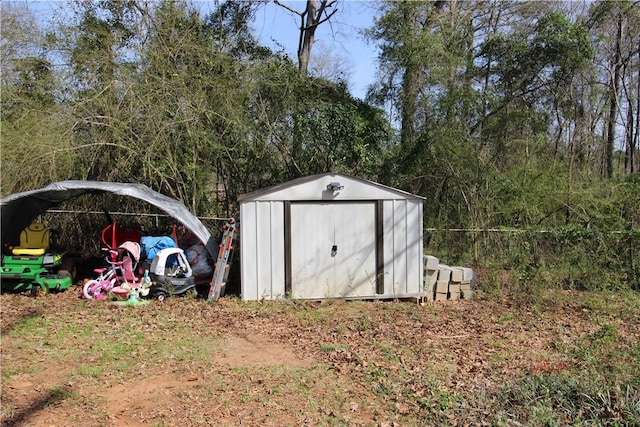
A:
(152, 245)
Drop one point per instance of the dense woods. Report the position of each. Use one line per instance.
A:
(519, 116)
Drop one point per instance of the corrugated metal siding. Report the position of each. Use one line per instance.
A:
(414, 247)
(402, 247)
(262, 248)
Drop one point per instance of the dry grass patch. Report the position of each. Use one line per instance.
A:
(188, 362)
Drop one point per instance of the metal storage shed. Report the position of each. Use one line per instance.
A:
(330, 236)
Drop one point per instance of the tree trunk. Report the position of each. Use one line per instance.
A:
(613, 102)
(630, 131)
(310, 19)
(307, 36)
(636, 136)
(411, 77)
(410, 84)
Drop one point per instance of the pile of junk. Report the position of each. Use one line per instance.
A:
(133, 265)
(137, 266)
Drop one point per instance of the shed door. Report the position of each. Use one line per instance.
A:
(333, 249)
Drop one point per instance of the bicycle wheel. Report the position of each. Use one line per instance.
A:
(91, 288)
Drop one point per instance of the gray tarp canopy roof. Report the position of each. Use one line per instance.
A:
(20, 209)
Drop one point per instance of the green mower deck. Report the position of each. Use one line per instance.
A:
(27, 273)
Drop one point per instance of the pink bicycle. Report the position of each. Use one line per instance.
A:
(108, 278)
(122, 263)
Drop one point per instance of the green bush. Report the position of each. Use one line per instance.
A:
(568, 257)
(562, 399)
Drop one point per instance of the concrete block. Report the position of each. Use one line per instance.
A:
(456, 274)
(431, 276)
(441, 297)
(454, 291)
(430, 262)
(465, 291)
(444, 272)
(462, 274)
(468, 274)
(429, 290)
(442, 286)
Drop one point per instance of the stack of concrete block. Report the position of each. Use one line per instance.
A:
(462, 277)
(430, 275)
(442, 282)
(442, 285)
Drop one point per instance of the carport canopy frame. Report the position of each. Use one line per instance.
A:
(18, 210)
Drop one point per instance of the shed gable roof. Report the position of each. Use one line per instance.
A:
(314, 187)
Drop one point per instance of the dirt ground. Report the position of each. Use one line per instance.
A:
(188, 362)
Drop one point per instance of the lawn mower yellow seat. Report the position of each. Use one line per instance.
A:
(34, 240)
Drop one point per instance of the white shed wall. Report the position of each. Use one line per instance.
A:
(262, 250)
(403, 237)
